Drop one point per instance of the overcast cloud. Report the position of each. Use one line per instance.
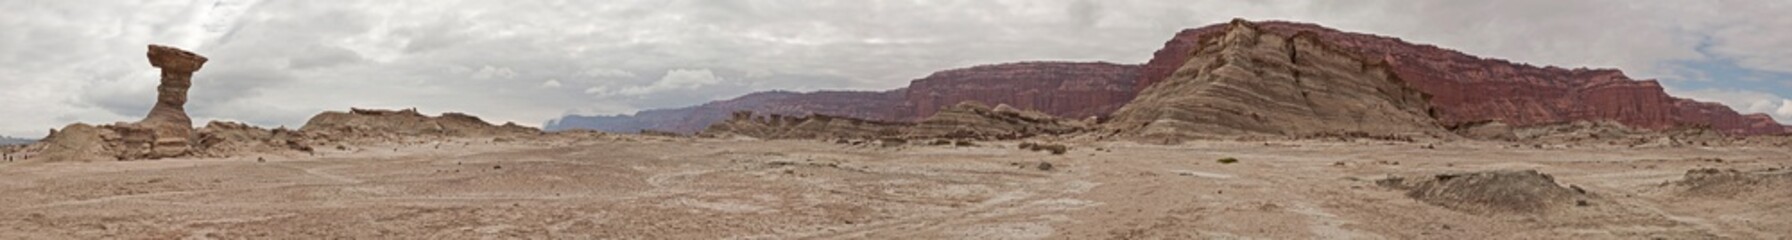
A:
(278, 62)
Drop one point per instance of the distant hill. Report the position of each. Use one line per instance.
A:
(4, 140)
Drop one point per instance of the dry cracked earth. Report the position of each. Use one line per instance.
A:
(626, 187)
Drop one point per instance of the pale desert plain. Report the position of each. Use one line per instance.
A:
(599, 186)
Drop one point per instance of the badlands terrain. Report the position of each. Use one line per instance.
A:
(583, 186)
(1268, 130)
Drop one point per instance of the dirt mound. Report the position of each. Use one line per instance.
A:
(1250, 83)
(1492, 192)
(1613, 133)
(224, 139)
(374, 123)
(1729, 183)
(805, 127)
(973, 120)
(967, 120)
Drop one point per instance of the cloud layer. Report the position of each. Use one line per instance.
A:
(277, 62)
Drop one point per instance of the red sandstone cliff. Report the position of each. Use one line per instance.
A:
(1065, 89)
(1468, 89)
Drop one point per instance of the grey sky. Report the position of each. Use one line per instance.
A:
(278, 62)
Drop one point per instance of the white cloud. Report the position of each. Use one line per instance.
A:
(489, 72)
(1785, 111)
(1744, 101)
(676, 79)
(608, 73)
(551, 83)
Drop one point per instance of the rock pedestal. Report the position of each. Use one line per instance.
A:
(167, 130)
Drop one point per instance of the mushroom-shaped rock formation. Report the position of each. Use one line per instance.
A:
(170, 130)
(166, 132)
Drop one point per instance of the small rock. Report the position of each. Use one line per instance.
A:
(1045, 166)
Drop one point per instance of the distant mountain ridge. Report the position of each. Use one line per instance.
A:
(1067, 89)
(1462, 89)
(5, 140)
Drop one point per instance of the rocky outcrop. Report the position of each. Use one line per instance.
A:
(1467, 89)
(1068, 90)
(1064, 89)
(775, 126)
(166, 132)
(973, 120)
(374, 123)
(1250, 83)
(966, 121)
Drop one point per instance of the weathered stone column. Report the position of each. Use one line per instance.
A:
(168, 123)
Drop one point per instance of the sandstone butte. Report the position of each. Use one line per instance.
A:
(1066, 89)
(1466, 89)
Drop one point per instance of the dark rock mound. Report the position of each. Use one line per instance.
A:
(805, 127)
(967, 120)
(1730, 183)
(1493, 192)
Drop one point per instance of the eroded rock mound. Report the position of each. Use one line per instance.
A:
(973, 120)
(967, 120)
(374, 123)
(1251, 83)
(166, 132)
(1493, 192)
(805, 127)
(1728, 183)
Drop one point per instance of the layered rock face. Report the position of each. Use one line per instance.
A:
(1248, 82)
(1073, 90)
(1467, 89)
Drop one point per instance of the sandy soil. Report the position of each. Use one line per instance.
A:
(663, 188)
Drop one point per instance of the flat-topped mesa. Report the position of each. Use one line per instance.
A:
(1466, 89)
(1250, 83)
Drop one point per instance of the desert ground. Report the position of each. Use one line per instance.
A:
(642, 187)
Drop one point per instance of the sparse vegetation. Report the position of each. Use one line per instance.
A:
(1228, 160)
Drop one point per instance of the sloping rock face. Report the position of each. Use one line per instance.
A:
(1468, 89)
(374, 123)
(1069, 90)
(1249, 82)
(1064, 89)
(881, 106)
